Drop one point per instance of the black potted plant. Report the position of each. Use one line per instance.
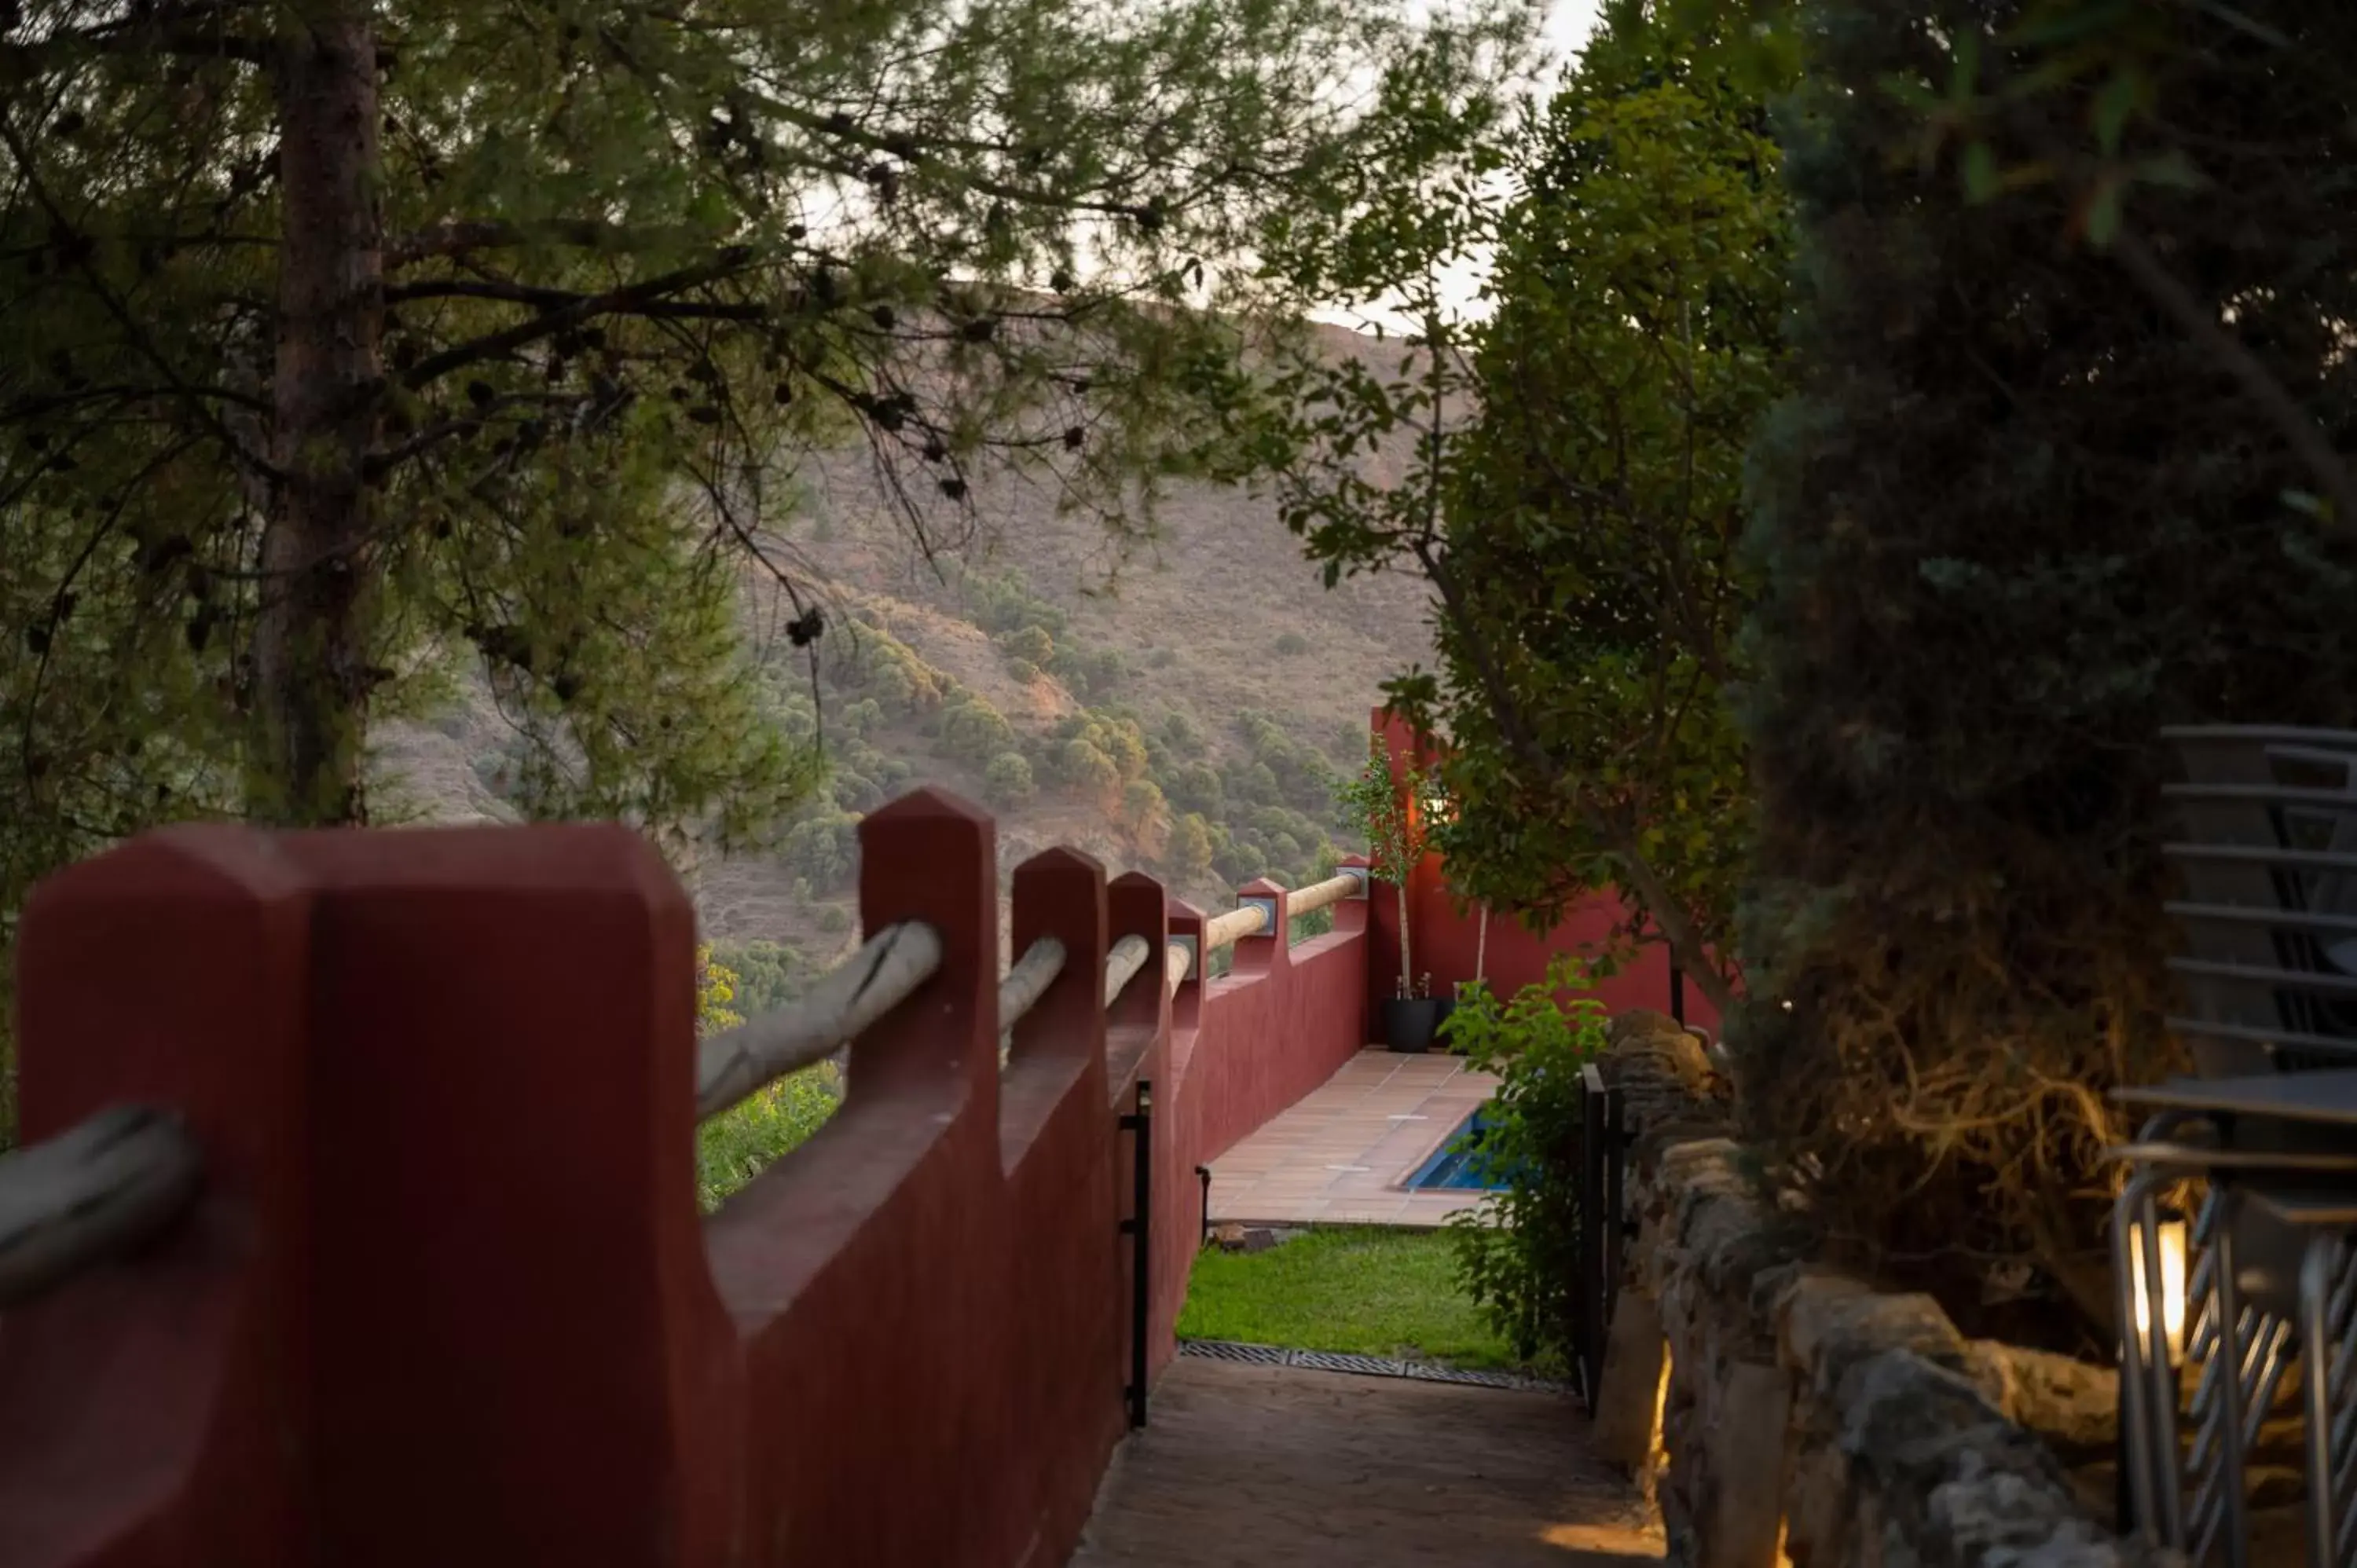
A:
(1381, 802)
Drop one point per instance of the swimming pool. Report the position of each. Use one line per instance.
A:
(1459, 1163)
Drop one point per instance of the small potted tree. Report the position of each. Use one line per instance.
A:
(1380, 802)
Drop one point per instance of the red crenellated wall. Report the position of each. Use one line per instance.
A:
(1443, 940)
(446, 1297)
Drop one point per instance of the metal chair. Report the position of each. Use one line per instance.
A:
(2270, 1123)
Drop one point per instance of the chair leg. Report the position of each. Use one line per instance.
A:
(2316, 1372)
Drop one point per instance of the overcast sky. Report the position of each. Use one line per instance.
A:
(1568, 24)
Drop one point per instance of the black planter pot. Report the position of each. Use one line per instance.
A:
(1411, 1025)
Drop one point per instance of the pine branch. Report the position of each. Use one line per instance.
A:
(197, 400)
(2299, 432)
(655, 296)
(587, 235)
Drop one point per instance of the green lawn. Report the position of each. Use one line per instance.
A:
(1359, 1290)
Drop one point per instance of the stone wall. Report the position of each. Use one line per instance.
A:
(1784, 1411)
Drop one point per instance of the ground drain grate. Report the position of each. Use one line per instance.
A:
(1226, 1350)
(1363, 1366)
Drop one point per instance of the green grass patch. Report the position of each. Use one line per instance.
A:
(738, 1145)
(1357, 1290)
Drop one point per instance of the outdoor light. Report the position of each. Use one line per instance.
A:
(2173, 1288)
(2148, 1482)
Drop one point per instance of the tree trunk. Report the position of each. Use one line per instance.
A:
(1481, 948)
(312, 638)
(1408, 969)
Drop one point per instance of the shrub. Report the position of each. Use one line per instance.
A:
(716, 990)
(973, 730)
(1084, 768)
(1196, 787)
(738, 1144)
(741, 1143)
(1023, 671)
(1521, 1265)
(835, 920)
(1240, 862)
(823, 850)
(1190, 848)
(1292, 645)
(1142, 806)
(768, 976)
(1031, 644)
(1008, 781)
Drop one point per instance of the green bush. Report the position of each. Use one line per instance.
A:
(1008, 781)
(1521, 1264)
(741, 1143)
(835, 920)
(1292, 645)
(974, 731)
(824, 849)
(767, 976)
(1029, 643)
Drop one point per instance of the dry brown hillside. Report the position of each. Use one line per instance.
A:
(1214, 618)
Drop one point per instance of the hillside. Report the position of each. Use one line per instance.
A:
(1174, 708)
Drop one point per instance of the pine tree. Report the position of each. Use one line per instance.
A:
(313, 296)
(342, 341)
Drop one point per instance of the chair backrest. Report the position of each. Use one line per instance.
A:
(2269, 860)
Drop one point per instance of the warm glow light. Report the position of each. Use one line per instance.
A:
(1618, 1543)
(2172, 1287)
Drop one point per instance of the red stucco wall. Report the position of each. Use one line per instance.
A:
(447, 1297)
(1443, 939)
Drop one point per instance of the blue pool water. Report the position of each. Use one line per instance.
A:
(1459, 1163)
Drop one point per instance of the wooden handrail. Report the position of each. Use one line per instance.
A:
(882, 975)
(1029, 980)
(95, 1191)
(1321, 895)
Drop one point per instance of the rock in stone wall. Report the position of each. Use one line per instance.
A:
(1806, 1417)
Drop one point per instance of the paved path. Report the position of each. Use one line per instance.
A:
(1340, 1155)
(1250, 1467)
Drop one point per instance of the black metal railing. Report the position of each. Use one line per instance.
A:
(1603, 1221)
(1139, 1229)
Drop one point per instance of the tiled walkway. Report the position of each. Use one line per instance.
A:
(1245, 1466)
(1340, 1156)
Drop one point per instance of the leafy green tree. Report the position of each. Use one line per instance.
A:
(1575, 481)
(2018, 518)
(1389, 806)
